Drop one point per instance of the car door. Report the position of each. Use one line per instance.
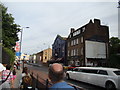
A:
(74, 73)
(79, 75)
(101, 77)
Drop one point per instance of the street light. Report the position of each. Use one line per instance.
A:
(21, 42)
(119, 4)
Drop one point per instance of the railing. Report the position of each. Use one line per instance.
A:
(45, 84)
(40, 82)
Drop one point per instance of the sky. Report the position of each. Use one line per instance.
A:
(47, 19)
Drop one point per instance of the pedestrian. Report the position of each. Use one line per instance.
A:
(56, 75)
(18, 65)
(1, 69)
(26, 83)
(25, 72)
(26, 79)
(7, 76)
(14, 73)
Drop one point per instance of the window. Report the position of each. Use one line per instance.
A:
(81, 51)
(81, 39)
(94, 71)
(117, 72)
(77, 41)
(89, 71)
(78, 31)
(85, 70)
(74, 52)
(72, 43)
(102, 72)
(76, 69)
(77, 63)
(45, 57)
(68, 52)
(83, 29)
(71, 52)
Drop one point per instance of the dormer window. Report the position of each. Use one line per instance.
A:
(83, 29)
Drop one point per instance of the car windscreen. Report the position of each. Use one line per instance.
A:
(117, 72)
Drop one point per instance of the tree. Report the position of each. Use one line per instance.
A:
(114, 52)
(9, 29)
(114, 45)
(8, 35)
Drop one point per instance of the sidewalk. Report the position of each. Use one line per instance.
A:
(18, 78)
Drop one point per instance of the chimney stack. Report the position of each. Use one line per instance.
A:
(97, 21)
(72, 30)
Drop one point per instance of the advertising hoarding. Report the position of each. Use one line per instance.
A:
(95, 49)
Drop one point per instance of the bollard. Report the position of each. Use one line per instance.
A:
(37, 81)
(47, 84)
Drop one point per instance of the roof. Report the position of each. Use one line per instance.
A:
(62, 38)
(100, 68)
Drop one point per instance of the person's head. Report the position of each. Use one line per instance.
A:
(27, 80)
(56, 73)
(25, 70)
(1, 68)
(8, 67)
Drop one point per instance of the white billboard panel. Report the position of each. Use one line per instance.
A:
(95, 49)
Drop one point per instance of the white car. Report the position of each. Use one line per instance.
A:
(108, 78)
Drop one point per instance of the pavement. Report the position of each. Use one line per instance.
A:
(18, 78)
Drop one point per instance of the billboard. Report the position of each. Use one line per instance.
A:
(95, 49)
(17, 47)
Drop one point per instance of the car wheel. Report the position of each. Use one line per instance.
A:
(110, 86)
(67, 76)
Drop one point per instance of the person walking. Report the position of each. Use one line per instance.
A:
(25, 72)
(26, 82)
(1, 69)
(56, 75)
(7, 74)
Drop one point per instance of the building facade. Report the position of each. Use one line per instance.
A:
(59, 49)
(88, 45)
(39, 57)
(47, 55)
(44, 56)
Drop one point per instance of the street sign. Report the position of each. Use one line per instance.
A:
(24, 56)
(18, 53)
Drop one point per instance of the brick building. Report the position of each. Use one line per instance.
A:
(88, 45)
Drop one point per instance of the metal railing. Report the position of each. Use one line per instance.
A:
(45, 84)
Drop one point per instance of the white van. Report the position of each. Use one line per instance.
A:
(108, 78)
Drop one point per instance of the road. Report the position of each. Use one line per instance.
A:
(44, 70)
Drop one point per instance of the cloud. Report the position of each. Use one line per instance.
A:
(47, 19)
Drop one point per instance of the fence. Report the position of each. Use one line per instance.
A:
(44, 84)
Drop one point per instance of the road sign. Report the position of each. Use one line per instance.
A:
(18, 53)
(24, 56)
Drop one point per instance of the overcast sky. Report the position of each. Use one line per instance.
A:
(47, 19)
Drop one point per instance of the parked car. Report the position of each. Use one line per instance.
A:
(108, 78)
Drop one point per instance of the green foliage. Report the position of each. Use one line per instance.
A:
(114, 57)
(9, 29)
(11, 54)
(115, 61)
(9, 33)
(114, 45)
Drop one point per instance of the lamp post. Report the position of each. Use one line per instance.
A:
(21, 43)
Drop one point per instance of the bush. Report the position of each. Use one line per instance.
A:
(10, 54)
(114, 61)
